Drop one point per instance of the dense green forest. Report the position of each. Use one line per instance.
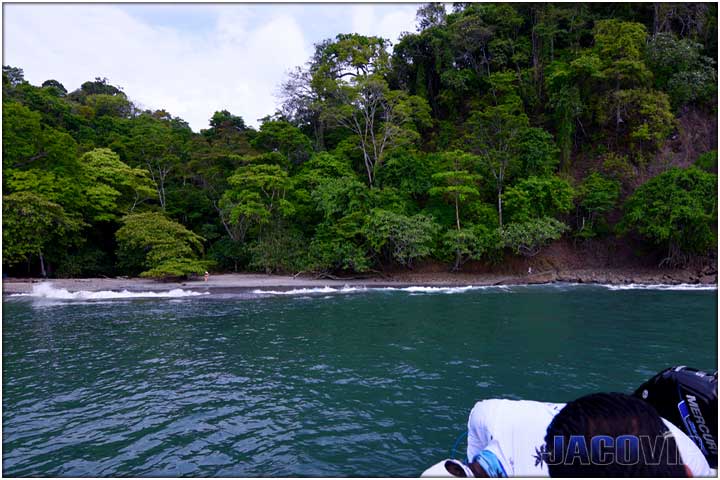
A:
(490, 132)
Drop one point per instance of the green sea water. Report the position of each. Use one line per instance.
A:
(314, 383)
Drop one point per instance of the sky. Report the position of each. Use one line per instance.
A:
(189, 59)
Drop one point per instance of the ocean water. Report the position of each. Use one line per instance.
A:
(314, 382)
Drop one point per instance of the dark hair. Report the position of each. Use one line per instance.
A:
(598, 422)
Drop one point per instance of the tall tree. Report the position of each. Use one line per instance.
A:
(494, 136)
(379, 118)
(257, 192)
(160, 147)
(32, 225)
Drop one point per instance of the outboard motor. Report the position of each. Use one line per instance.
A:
(687, 397)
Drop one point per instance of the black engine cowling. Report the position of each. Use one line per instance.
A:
(687, 397)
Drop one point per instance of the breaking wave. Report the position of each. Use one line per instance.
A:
(307, 291)
(660, 286)
(348, 289)
(420, 289)
(46, 290)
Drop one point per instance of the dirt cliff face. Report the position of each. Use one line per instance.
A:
(610, 260)
(697, 133)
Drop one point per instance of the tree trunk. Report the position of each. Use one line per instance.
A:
(42, 266)
(161, 192)
(458, 258)
(457, 214)
(536, 51)
(656, 17)
(368, 167)
(320, 136)
(500, 220)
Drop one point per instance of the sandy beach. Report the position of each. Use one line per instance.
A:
(409, 278)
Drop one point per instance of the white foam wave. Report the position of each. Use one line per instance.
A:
(659, 286)
(347, 289)
(450, 290)
(46, 290)
(308, 291)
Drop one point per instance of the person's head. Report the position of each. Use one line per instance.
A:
(611, 434)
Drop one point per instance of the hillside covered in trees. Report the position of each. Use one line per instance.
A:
(490, 132)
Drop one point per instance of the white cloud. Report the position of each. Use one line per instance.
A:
(383, 22)
(188, 59)
(236, 65)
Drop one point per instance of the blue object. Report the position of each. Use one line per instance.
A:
(457, 441)
(490, 463)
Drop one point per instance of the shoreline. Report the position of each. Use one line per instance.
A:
(242, 281)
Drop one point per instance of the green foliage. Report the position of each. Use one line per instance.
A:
(680, 68)
(229, 255)
(281, 250)
(176, 267)
(111, 105)
(676, 210)
(57, 87)
(99, 86)
(280, 136)
(642, 118)
(338, 244)
(596, 197)
(157, 145)
(29, 144)
(21, 134)
(113, 188)
(457, 185)
(224, 120)
(618, 167)
(403, 239)
(32, 226)
(538, 153)
(159, 247)
(536, 197)
(335, 197)
(708, 161)
(620, 46)
(616, 40)
(495, 135)
(409, 171)
(379, 118)
(256, 193)
(53, 186)
(329, 252)
(13, 76)
(527, 238)
(88, 261)
(469, 243)
(467, 120)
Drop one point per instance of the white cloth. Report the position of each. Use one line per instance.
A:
(514, 430)
(439, 470)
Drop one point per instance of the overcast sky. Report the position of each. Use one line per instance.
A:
(190, 59)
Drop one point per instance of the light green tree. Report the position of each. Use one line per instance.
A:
(596, 197)
(402, 238)
(256, 193)
(32, 225)
(112, 188)
(527, 238)
(155, 246)
(494, 135)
